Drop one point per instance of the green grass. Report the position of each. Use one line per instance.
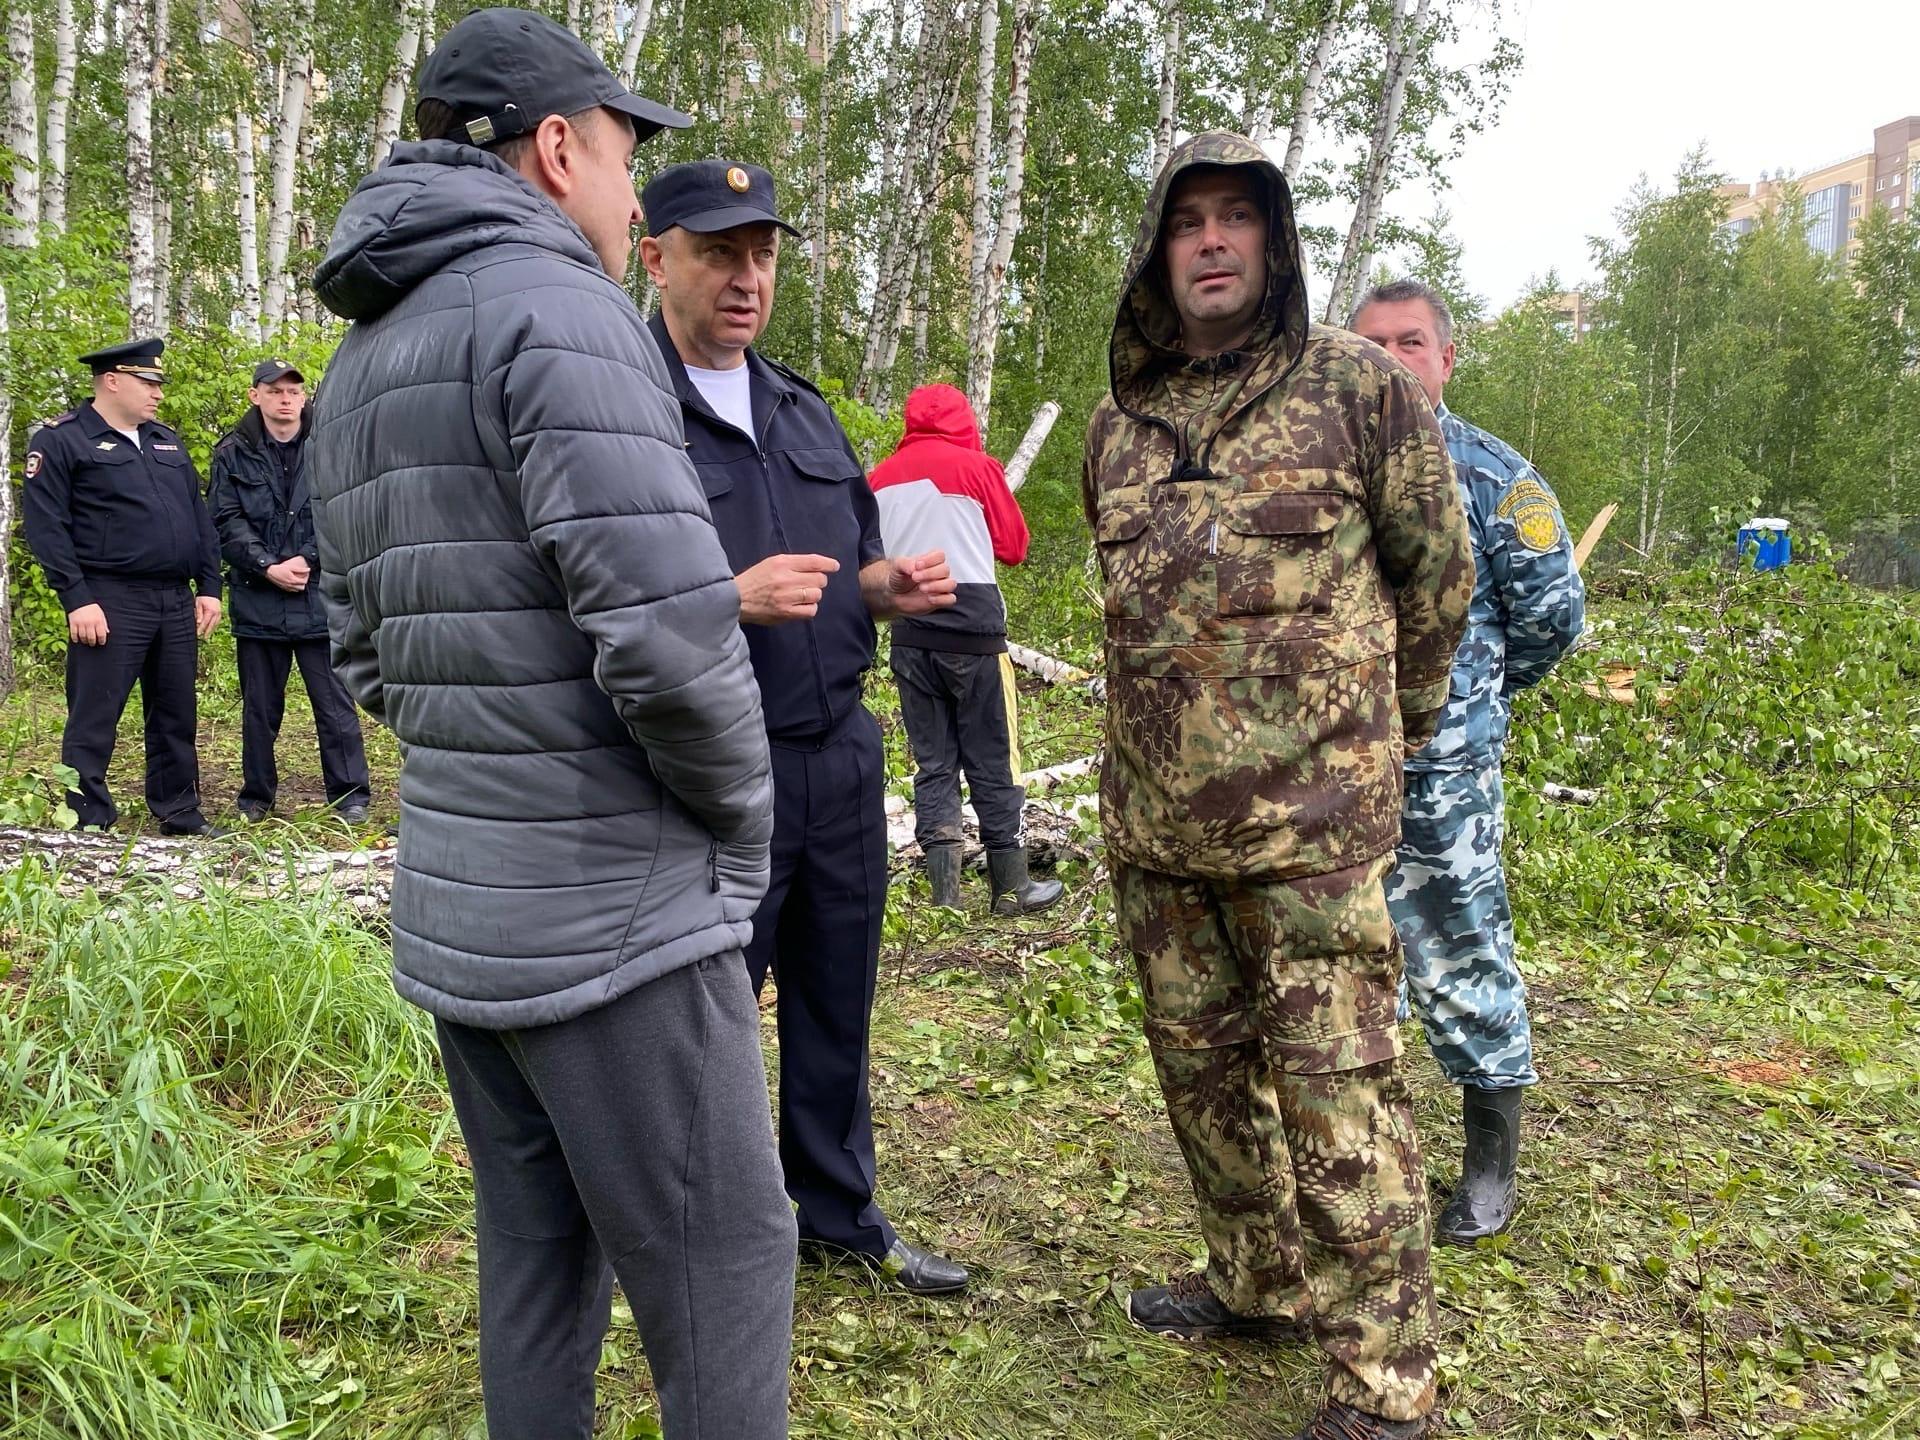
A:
(232, 1201)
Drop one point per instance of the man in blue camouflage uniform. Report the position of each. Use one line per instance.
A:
(1449, 895)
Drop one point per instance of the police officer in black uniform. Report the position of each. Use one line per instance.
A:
(802, 534)
(114, 516)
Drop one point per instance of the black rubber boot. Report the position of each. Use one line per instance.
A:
(1485, 1199)
(1013, 892)
(943, 874)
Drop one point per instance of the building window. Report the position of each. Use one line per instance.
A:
(1853, 212)
(1894, 203)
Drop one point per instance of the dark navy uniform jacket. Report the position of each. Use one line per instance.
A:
(798, 490)
(98, 507)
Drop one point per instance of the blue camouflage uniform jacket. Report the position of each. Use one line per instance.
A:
(1528, 602)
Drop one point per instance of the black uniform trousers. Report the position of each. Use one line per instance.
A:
(150, 639)
(818, 931)
(264, 666)
(955, 709)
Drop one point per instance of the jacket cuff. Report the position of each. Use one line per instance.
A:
(206, 588)
(77, 597)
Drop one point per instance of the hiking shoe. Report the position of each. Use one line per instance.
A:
(1334, 1421)
(1189, 1310)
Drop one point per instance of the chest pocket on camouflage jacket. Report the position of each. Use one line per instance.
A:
(1277, 552)
(1121, 536)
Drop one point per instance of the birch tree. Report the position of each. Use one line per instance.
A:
(636, 37)
(59, 104)
(984, 331)
(1356, 258)
(137, 81)
(986, 83)
(1172, 49)
(1310, 84)
(296, 85)
(247, 217)
(23, 132)
(414, 16)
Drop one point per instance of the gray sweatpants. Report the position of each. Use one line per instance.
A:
(634, 1140)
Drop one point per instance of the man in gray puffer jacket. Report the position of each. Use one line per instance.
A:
(524, 584)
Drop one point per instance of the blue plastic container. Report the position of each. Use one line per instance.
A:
(1772, 546)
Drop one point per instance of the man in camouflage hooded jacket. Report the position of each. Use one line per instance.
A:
(1287, 573)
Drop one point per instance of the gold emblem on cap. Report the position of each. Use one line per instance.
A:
(739, 180)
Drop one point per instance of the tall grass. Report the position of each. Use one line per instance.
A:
(220, 1171)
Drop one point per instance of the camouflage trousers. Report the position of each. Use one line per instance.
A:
(1270, 1015)
(1449, 901)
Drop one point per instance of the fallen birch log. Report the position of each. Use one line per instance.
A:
(1569, 794)
(1028, 450)
(1056, 672)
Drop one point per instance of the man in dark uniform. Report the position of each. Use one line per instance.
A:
(114, 515)
(264, 514)
(802, 534)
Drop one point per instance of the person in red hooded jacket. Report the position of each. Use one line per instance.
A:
(941, 490)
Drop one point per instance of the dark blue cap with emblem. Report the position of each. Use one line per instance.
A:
(709, 195)
(138, 358)
(502, 71)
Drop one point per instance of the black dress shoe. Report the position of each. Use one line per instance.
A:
(200, 828)
(920, 1272)
(1189, 1310)
(354, 812)
(253, 814)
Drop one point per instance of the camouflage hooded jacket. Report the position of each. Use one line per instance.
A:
(1287, 571)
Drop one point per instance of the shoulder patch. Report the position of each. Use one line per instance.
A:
(1538, 526)
(34, 457)
(1527, 492)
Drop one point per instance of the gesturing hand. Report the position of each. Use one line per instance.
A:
(920, 584)
(783, 588)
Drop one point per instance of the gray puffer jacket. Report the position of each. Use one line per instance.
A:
(523, 582)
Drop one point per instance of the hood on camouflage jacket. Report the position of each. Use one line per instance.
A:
(1287, 572)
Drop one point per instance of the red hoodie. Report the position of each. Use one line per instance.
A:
(941, 491)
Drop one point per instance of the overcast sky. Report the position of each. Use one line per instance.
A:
(1611, 89)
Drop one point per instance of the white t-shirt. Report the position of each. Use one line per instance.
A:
(729, 392)
(133, 435)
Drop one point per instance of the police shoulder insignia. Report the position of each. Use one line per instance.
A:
(1538, 525)
(34, 458)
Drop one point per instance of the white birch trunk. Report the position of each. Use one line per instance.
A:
(1309, 100)
(247, 216)
(986, 328)
(921, 198)
(920, 145)
(922, 308)
(1256, 115)
(393, 95)
(1357, 256)
(1028, 450)
(59, 104)
(23, 131)
(1173, 45)
(636, 37)
(573, 16)
(286, 156)
(137, 81)
(986, 79)
(163, 305)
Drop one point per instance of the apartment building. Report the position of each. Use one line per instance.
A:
(1837, 197)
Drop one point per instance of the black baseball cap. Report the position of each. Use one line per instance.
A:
(269, 371)
(709, 195)
(138, 358)
(502, 71)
